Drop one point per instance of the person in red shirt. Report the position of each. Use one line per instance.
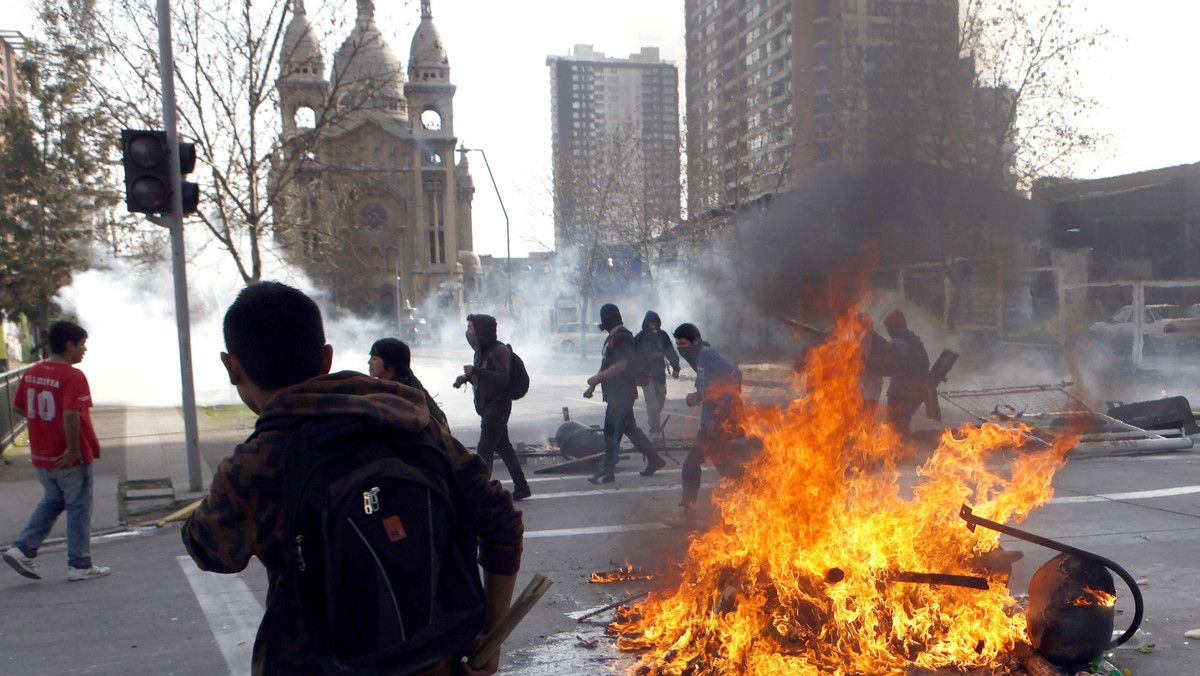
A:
(54, 396)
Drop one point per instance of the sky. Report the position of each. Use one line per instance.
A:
(1143, 82)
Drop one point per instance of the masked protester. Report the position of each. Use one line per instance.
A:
(488, 376)
(619, 390)
(906, 391)
(657, 347)
(719, 396)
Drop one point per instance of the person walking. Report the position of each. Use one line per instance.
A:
(54, 396)
(657, 346)
(619, 391)
(488, 375)
(719, 396)
(279, 362)
(391, 359)
(907, 390)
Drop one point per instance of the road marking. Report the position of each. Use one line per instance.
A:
(594, 530)
(1135, 495)
(232, 611)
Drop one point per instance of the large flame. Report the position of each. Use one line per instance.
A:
(809, 568)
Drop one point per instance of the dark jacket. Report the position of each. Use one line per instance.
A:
(409, 378)
(656, 344)
(620, 389)
(492, 362)
(242, 515)
(910, 379)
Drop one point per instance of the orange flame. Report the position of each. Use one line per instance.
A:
(829, 492)
(1095, 597)
(624, 574)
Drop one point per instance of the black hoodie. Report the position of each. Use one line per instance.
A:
(656, 344)
(490, 375)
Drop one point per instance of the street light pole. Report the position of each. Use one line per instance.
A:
(507, 238)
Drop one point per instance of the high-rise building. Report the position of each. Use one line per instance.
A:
(777, 87)
(12, 44)
(615, 134)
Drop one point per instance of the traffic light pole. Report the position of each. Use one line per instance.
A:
(174, 221)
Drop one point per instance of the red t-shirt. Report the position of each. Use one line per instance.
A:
(46, 390)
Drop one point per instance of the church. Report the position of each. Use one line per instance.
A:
(373, 205)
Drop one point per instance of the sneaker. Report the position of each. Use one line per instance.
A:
(21, 563)
(604, 476)
(521, 492)
(653, 465)
(77, 574)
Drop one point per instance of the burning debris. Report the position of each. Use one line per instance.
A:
(828, 558)
(625, 574)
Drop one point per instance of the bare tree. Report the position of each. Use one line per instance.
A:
(228, 60)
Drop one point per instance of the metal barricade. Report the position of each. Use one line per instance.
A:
(11, 422)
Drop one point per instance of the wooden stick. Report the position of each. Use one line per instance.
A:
(520, 608)
(610, 606)
(180, 514)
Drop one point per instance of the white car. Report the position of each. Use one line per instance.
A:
(1165, 328)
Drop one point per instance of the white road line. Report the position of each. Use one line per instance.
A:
(594, 530)
(1135, 495)
(232, 611)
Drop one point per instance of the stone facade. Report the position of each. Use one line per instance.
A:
(375, 206)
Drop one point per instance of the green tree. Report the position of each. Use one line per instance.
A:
(53, 174)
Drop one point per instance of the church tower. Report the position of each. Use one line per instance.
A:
(303, 89)
(367, 76)
(429, 91)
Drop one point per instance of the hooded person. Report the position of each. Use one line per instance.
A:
(619, 391)
(488, 375)
(907, 390)
(659, 351)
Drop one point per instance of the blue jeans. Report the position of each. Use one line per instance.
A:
(63, 489)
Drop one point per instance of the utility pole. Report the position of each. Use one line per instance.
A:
(507, 237)
(174, 222)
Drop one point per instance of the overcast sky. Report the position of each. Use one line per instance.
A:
(1145, 82)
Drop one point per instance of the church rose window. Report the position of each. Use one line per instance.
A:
(372, 217)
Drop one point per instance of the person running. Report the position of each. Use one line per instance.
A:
(719, 396)
(54, 396)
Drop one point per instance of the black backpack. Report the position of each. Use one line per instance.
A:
(380, 549)
(637, 367)
(518, 376)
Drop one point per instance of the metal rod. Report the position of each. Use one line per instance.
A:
(612, 605)
(174, 221)
(972, 521)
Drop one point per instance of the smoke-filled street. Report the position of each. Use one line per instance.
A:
(158, 614)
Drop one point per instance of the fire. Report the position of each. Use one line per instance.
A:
(628, 572)
(829, 556)
(1095, 597)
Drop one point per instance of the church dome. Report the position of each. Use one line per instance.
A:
(366, 64)
(427, 49)
(301, 52)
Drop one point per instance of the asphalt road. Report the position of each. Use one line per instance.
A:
(156, 614)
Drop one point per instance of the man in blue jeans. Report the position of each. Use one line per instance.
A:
(54, 396)
(619, 391)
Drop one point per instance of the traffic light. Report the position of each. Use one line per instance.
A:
(145, 155)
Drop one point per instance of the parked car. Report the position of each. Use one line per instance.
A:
(1166, 329)
(566, 338)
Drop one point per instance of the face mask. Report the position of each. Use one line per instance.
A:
(472, 341)
(690, 353)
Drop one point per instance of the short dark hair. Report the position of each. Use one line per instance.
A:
(688, 332)
(394, 353)
(64, 332)
(275, 331)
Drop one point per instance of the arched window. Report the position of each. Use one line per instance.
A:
(391, 258)
(305, 118)
(376, 259)
(431, 120)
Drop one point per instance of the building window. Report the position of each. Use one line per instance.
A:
(372, 217)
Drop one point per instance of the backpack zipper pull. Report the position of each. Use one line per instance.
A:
(300, 552)
(371, 501)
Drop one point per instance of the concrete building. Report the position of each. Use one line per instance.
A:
(376, 207)
(12, 45)
(778, 87)
(619, 117)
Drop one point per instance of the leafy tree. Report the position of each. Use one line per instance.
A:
(53, 162)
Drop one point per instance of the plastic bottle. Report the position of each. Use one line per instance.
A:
(1104, 667)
